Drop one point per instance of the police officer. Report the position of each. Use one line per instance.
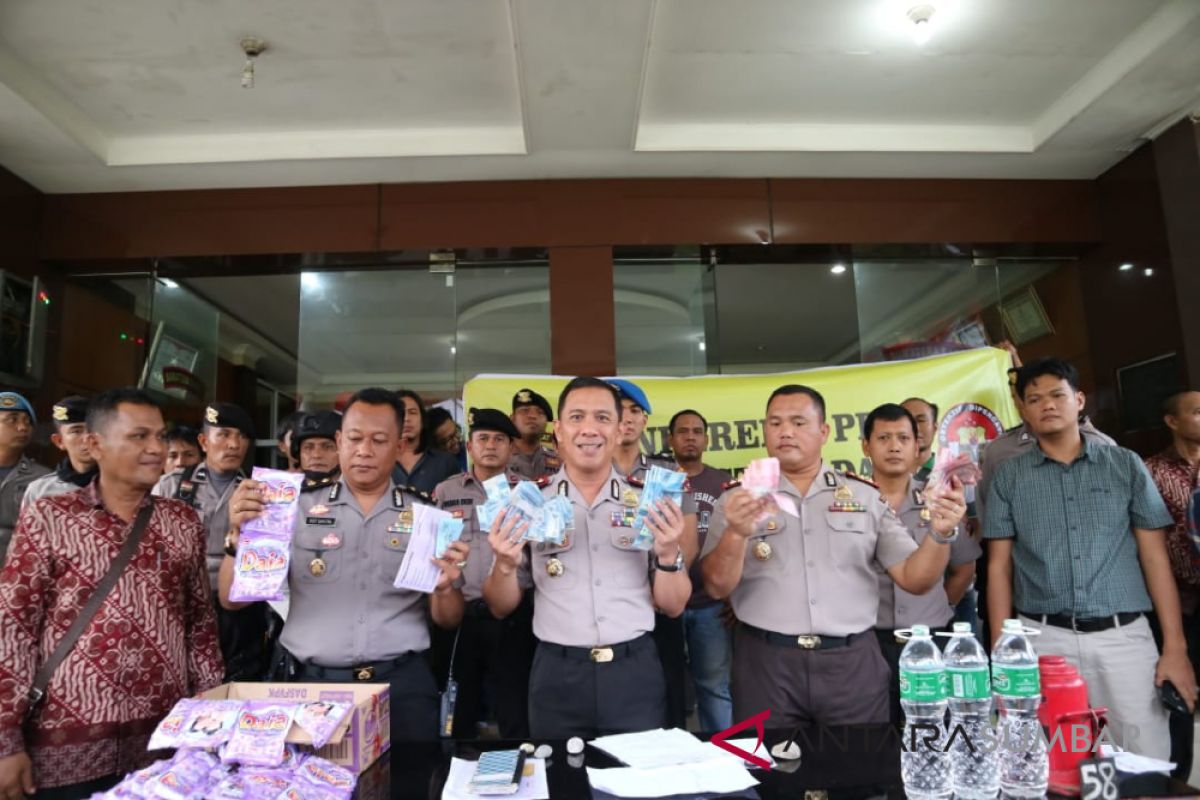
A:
(347, 621)
(801, 580)
(183, 448)
(631, 462)
(207, 487)
(596, 669)
(314, 447)
(16, 471)
(531, 459)
(486, 651)
(78, 468)
(890, 437)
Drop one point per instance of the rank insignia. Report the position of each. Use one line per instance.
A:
(772, 525)
(318, 510)
(763, 550)
(629, 498)
(403, 523)
(555, 568)
(843, 500)
(331, 540)
(8, 402)
(843, 493)
(524, 396)
(317, 567)
(60, 413)
(211, 416)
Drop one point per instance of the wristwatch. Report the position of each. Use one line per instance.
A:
(949, 539)
(673, 567)
(231, 544)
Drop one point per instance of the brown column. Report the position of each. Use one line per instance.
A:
(1177, 159)
(583, 339)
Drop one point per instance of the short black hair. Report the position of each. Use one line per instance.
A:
(932, 406)
(686, 411)
(888, 412)
(1054, 367)
(436, 417)
(796, 388)
(422, 433)
(374, 396)
(103, 406)
(588, 382)
(1170, 406)
(185, 434)
(288, 425)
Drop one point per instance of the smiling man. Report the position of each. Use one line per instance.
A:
(596, 670)
(1076, 547)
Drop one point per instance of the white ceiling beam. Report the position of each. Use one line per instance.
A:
(1147, 39)
(52, 104)
(841, 138)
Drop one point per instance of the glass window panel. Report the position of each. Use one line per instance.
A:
(660, 313)
(503, 320)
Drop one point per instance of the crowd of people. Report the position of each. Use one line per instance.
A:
(789, 602)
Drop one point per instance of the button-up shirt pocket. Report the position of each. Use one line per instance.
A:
(318, 553)
(395, 544)
(631, 566)
(546, 558)
(850, 546)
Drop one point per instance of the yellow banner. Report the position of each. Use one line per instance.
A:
(969, 388)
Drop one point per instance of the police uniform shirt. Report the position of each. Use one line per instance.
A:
(542, 462)
(211, 503)
(344, 608)
(900, 609)
(595, 588)
(12, 490)
(460, 496)
(64, 479)
(643, 465)
(820, 577)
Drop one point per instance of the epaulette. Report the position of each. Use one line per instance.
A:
(861, 479)
(543, 481)
(313, 484)
(415, 492)
(733, 484)
(638, 482)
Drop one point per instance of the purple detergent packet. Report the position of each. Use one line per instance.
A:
(259, 736)
(265, 784)
(260, 570)
(321, 718)
(281, 498)
(189, 777)
(170, 731)
(327, 777)
(209, 724)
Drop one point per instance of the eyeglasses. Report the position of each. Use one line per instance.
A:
(456, 436)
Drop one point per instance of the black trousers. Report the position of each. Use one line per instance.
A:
(78, 791)
(891, 650)
(1181, 726)
(672, 651)
(493, 657)
(245, 641)
(413, 694)
(570, 695)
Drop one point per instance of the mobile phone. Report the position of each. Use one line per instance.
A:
(1172, 699)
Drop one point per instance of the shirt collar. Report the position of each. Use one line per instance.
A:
(1088, 452)
(91, 494)
(1171, 455)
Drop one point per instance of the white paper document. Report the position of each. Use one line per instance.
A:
(1133, 763)
(417, 570)
(533, 787)
(656, 748)
(714, 775)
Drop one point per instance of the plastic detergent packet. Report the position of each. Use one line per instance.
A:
(281, 499)
(260, 570)
(264, 784)
(448, 530)
(170, 730)
(560, 519)
(189, 777)
(325, 776)
(660, 483)
(498, 491)
(526, 501)
(321, 718)
(258, 737)
(209, 724)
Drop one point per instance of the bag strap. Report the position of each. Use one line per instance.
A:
(41, 680)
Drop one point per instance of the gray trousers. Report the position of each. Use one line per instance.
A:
(840, 686)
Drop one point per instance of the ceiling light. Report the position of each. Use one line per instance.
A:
(1125, 267)
(701, 346)
(167, 283)
(453, 350)
(838, 269)
(252, 46)
(921, 18)
(311, 281)
(1148, 271)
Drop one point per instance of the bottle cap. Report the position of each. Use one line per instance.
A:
(1013, 626)
(963, 627)
(920, 631)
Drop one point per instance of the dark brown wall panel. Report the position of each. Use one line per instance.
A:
(583, 338)
(213, 222)
(1177, 160)
(574, 213)
(903, 211)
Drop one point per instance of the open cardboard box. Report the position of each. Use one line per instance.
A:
(362, 737)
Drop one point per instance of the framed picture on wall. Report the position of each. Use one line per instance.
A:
(1025, 317)
(170, 362)
(1143, 388)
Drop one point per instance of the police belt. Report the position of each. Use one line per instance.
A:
(601, 655)
(369, 671)
(803, 641)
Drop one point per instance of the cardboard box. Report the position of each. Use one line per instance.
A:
(362, 738)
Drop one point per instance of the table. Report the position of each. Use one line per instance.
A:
(838, 763)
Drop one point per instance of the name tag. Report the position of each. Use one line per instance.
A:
(320, 521)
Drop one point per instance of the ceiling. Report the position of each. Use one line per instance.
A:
(145, 94)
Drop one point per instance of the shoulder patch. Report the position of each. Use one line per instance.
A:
(415, 492)
(733, 484)
(541, 482)
(313, 484)
(861, 479)
(638, 482)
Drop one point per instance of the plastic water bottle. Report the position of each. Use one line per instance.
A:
(974, 756)
(1024, 763)
(924, 761)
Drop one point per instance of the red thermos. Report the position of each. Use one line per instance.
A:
(1072, 726)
